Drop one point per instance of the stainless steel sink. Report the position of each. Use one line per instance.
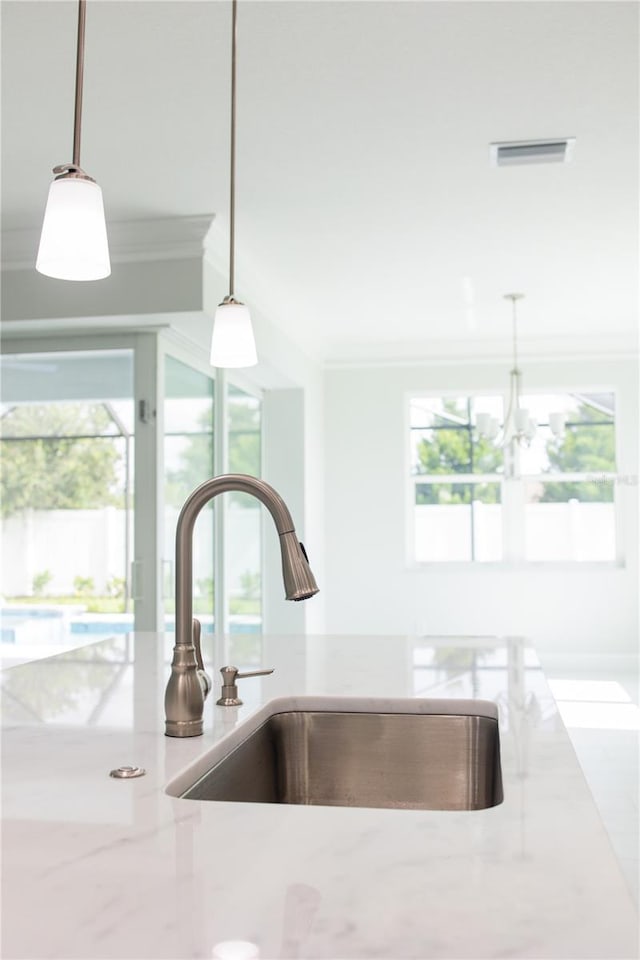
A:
(411, 754)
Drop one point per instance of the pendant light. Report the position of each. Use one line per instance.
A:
(73, 242)
(232, 341)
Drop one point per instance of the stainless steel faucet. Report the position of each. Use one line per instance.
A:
(188, 685)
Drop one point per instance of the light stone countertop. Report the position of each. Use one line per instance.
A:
(99, 868)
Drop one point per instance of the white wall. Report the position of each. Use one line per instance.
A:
(370, 588)
(283, 468)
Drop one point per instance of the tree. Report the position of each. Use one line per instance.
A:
(57, 457)
(197, 457)
(196, 464)
(244, 437)
(84, 586)
(586, 447)
(454, 449)
(40, 582)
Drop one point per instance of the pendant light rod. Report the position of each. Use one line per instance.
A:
(514, 297)
(77, 119)
(515, 372)
(232, 178)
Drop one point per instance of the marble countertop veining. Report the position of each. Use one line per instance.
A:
(99, 868)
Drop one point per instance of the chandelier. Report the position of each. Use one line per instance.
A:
(519, 427)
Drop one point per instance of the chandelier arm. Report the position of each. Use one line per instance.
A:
(77, 118)
(516, 369)
(509, 414)
(516, 429)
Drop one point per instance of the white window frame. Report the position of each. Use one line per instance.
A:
(512, 490)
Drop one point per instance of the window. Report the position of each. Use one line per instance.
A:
(457, 494)
(569, 481)
(557, 505)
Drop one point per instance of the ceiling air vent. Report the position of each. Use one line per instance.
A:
(558, 150)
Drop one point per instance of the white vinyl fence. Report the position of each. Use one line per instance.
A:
(92, 544)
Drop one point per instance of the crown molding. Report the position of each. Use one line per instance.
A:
(130, 241)
(24, 330)
(618, 346)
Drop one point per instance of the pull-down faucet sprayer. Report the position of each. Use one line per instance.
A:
(188, 684)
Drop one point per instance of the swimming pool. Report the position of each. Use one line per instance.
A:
(58, 624)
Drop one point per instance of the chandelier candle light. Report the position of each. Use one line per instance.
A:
(73, 242)
(232, 341)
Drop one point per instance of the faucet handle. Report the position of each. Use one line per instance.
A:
(229, 695)
(205, 680)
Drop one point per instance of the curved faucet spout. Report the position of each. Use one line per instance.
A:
(185, 718)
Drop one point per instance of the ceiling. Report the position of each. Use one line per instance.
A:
(370, 223)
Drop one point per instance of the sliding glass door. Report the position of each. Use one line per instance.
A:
(244, 515)
(188, 461)
(203, 438)
(67, 447)
(102, 441)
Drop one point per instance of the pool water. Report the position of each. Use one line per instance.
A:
(54, 624)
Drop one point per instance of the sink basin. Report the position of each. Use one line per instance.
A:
(350, 752)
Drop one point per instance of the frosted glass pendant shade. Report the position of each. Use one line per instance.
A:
(232, 342)
(483, 424)
(557, 424)
(73, 243)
